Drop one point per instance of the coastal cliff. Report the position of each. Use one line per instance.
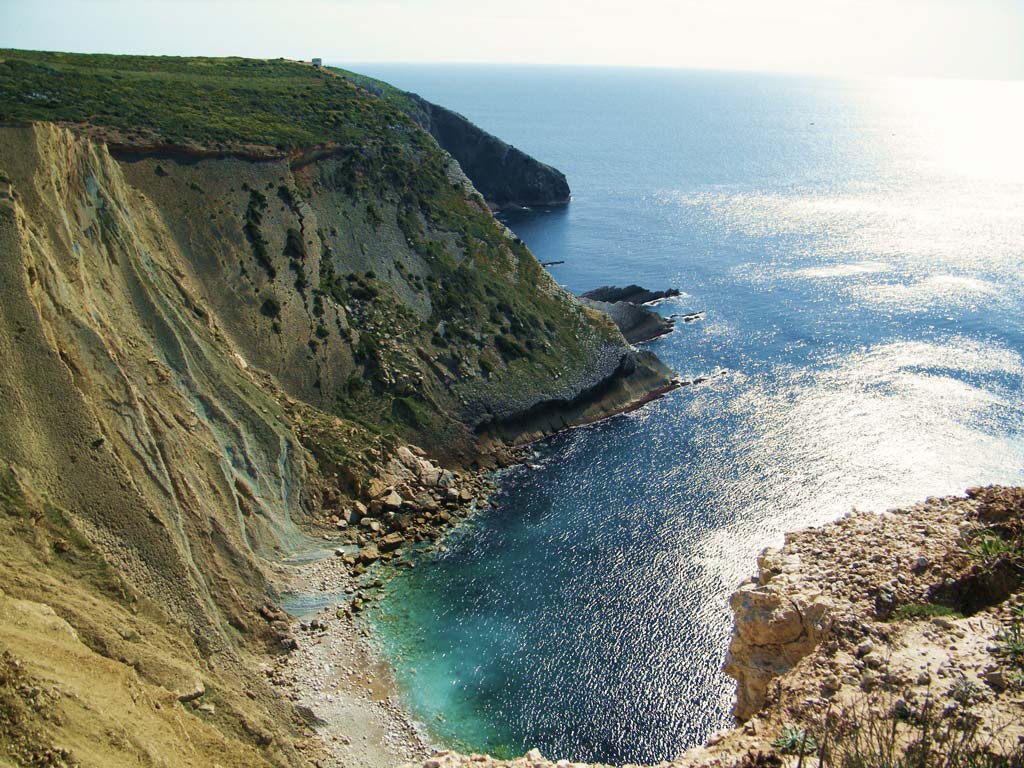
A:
(249, 314)
(507, 177)
(253, 317)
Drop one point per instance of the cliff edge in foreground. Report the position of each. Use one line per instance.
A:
(892, 639)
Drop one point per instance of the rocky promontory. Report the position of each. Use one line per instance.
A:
(630, 294)
(625, 306)
(638, 324)
(506, 176)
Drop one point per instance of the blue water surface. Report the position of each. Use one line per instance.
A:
(858, 250)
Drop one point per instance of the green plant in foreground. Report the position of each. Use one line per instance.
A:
(964, 691)
(1017, 679)
(795, 741)
(907, 736)
(988, 547)
(1011, 643)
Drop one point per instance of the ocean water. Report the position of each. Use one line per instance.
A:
(858, 249)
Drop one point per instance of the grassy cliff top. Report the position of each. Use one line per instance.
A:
(214, 103)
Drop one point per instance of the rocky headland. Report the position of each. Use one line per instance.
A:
(507, 177)
(630, 294)
(626, 307)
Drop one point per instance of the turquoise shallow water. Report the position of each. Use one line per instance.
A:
(859, 251)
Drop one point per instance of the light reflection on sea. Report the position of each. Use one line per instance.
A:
(859, 252)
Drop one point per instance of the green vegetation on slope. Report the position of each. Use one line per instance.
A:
(216, 103)
(499, 334)
(396, 97)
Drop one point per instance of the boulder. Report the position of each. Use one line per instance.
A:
(776, 623)
(391, 542)
(369, 554)
(428, 473)
(192, 692)
(377, 486)
(408, 459)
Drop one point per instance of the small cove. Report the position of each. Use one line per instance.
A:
(861, 294)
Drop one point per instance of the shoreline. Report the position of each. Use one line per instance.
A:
(337, 673)
(335, 669)
(833, 634)
(341, 680)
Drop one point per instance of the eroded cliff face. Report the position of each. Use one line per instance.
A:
(506, 176)
(375, 302)
(779, 619)
(145, 471)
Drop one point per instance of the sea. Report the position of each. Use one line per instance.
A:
(856, 251)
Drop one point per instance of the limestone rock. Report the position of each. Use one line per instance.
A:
(369, 554)
(774, 628)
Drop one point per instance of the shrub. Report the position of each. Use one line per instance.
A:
(988, 547)
(271, 307)
(253, 220)
(407, 411)
(903, 736)
(1011, 643)
(294, 248)
(510, 348)
(795, 741)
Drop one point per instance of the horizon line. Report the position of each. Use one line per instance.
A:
(331, 61)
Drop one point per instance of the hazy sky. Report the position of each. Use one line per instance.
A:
(958, 38)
